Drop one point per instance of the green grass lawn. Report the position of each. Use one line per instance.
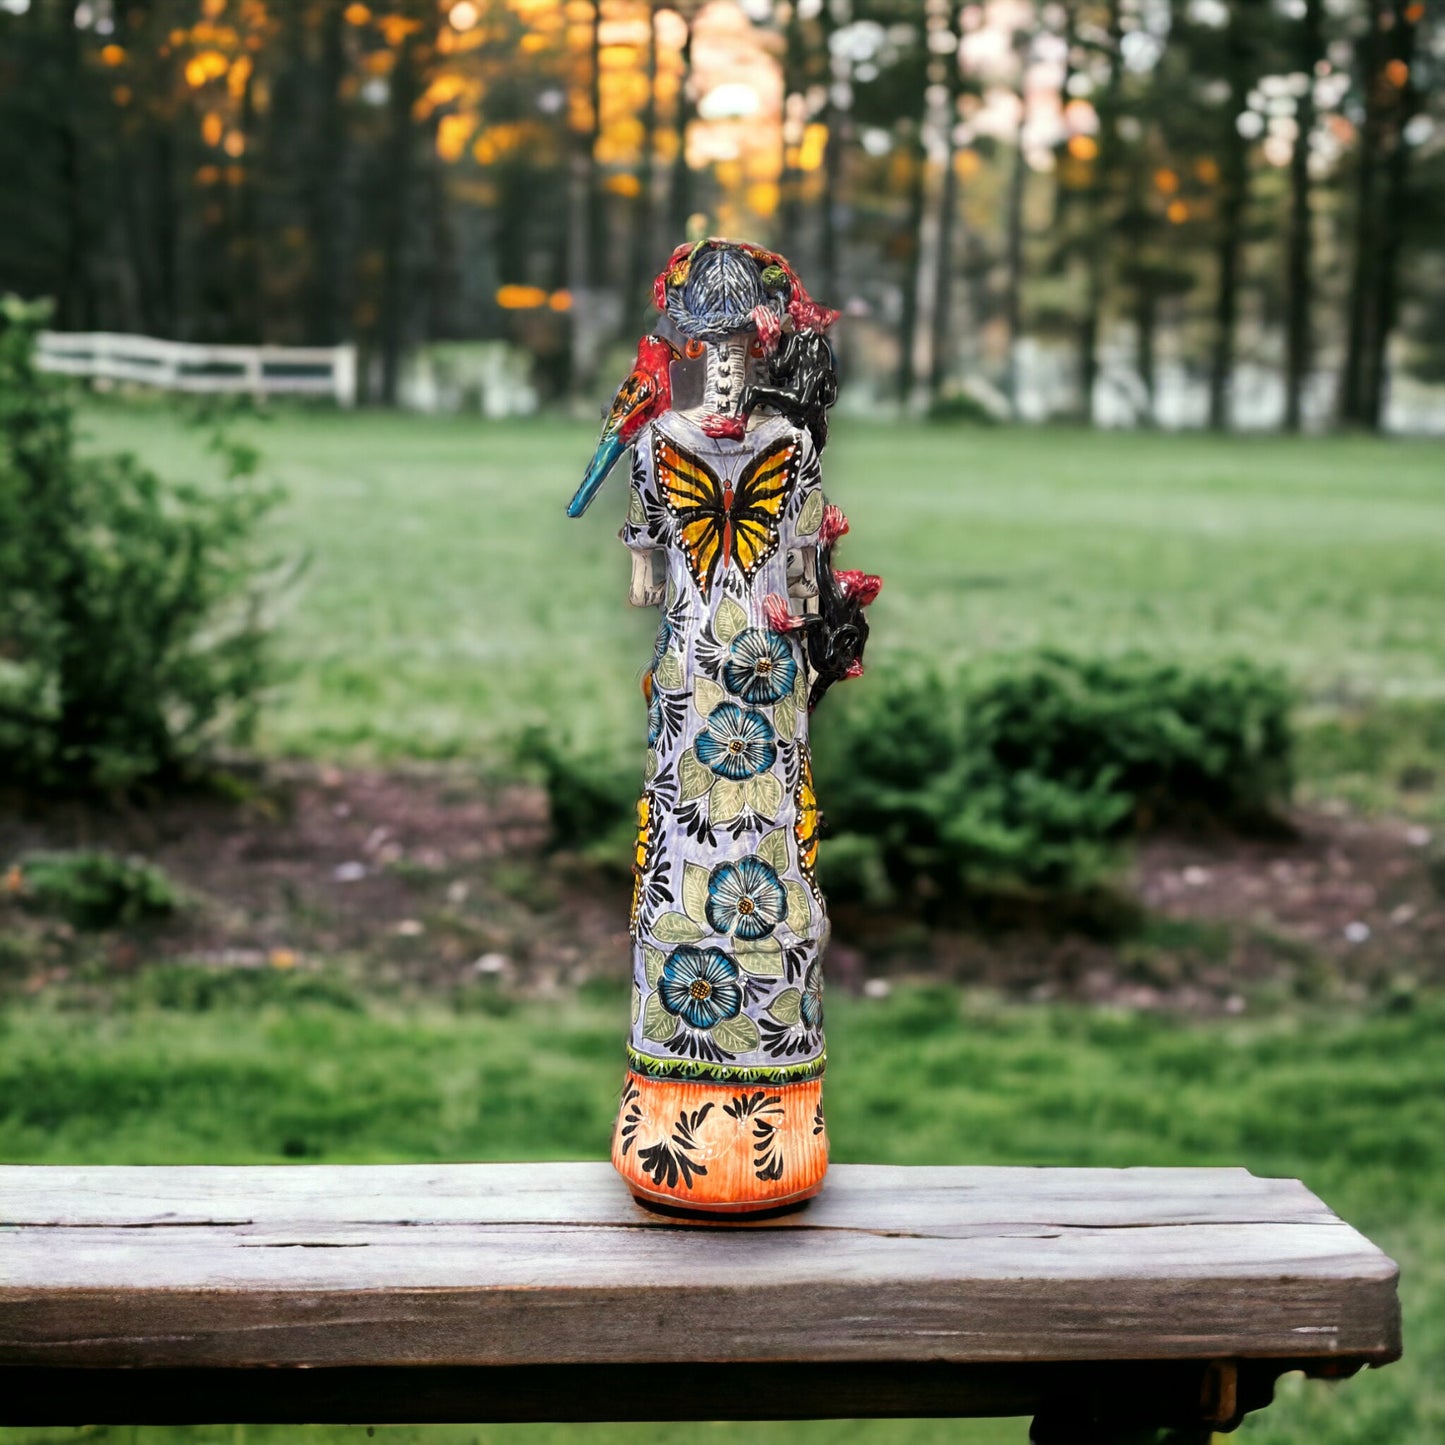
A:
(294, 1067)
(451, 603)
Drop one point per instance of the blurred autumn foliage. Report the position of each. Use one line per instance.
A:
(1126, 186)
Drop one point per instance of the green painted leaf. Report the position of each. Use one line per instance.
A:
(676, 928)
(669, 670)
(800, 911)
(657, 1023)
(763, 957)
(730, 620)
(738, 1035)
(773, 850)
(785, 718)
(706, 695)
(636, 1004)
(670, 600)
(636, 512)
(764, 793)
(787, 1007)
(652, 962)
(727, 800)
(694, 777)
(811, 517)
(694, 892)
(649, 766)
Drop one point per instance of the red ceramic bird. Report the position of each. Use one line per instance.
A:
(646, 394)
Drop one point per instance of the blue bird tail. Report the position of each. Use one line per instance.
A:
(603, 460)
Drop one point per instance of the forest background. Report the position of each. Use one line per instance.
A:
(1140, 210)
(319, 729)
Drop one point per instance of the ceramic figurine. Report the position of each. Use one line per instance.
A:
(722, 1107)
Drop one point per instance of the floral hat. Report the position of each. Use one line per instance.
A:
(715, 288)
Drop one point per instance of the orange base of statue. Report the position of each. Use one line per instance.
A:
(721, 1148)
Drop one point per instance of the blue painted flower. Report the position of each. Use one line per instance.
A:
(760, 666)
(745, 898)
(810, 1009)
(654, 718)
(736, 742)
(701, 986)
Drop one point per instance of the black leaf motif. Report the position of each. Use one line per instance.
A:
(666, 1163)
(631, 1117)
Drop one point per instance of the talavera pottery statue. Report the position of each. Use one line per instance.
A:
(731, 538)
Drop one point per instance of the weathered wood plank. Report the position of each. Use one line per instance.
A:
(550, 1265)
(870, 1196)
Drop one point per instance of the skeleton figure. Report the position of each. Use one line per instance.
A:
(731, 536)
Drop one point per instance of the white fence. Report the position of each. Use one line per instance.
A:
(184, 366)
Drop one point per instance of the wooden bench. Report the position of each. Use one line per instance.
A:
(1098, 1301)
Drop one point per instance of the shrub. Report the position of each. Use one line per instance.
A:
(1025, 771)
(961, 408)
(1032, 769)
(131, 633)
(94, 890)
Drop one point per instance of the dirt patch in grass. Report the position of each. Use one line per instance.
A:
(431, 880)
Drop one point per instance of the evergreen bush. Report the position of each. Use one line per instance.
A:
(1026, 771)
(131, 634)
(93, 889)
(1032, 769)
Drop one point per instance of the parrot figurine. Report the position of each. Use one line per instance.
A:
(646, 394)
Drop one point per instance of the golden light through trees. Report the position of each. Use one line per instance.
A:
(985, 169)
(626, 59)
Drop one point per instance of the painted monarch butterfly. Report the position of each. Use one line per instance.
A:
(719, 522)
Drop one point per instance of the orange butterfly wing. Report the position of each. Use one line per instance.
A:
(757, 506)
(693, 494)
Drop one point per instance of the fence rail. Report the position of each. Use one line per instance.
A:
(260, 371)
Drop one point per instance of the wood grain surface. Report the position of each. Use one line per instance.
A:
(555, 1265)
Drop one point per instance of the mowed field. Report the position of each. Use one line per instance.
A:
(450, 603)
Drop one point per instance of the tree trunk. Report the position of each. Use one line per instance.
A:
(248, 311)
(648, 250)
(1406, 102)
(1353, 384)
(908, 320)
(1098, 235)
(835, 118)
(166, 211)
(396, 213)
(1299, 333)
(789, 178)
(1146, 327)
(680, 190)
(1234, 196)
(1063, 196)
(942, 349)
(324, 199)
(599, 269)
(441, 261)
(74, 309)
(1014, 237)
